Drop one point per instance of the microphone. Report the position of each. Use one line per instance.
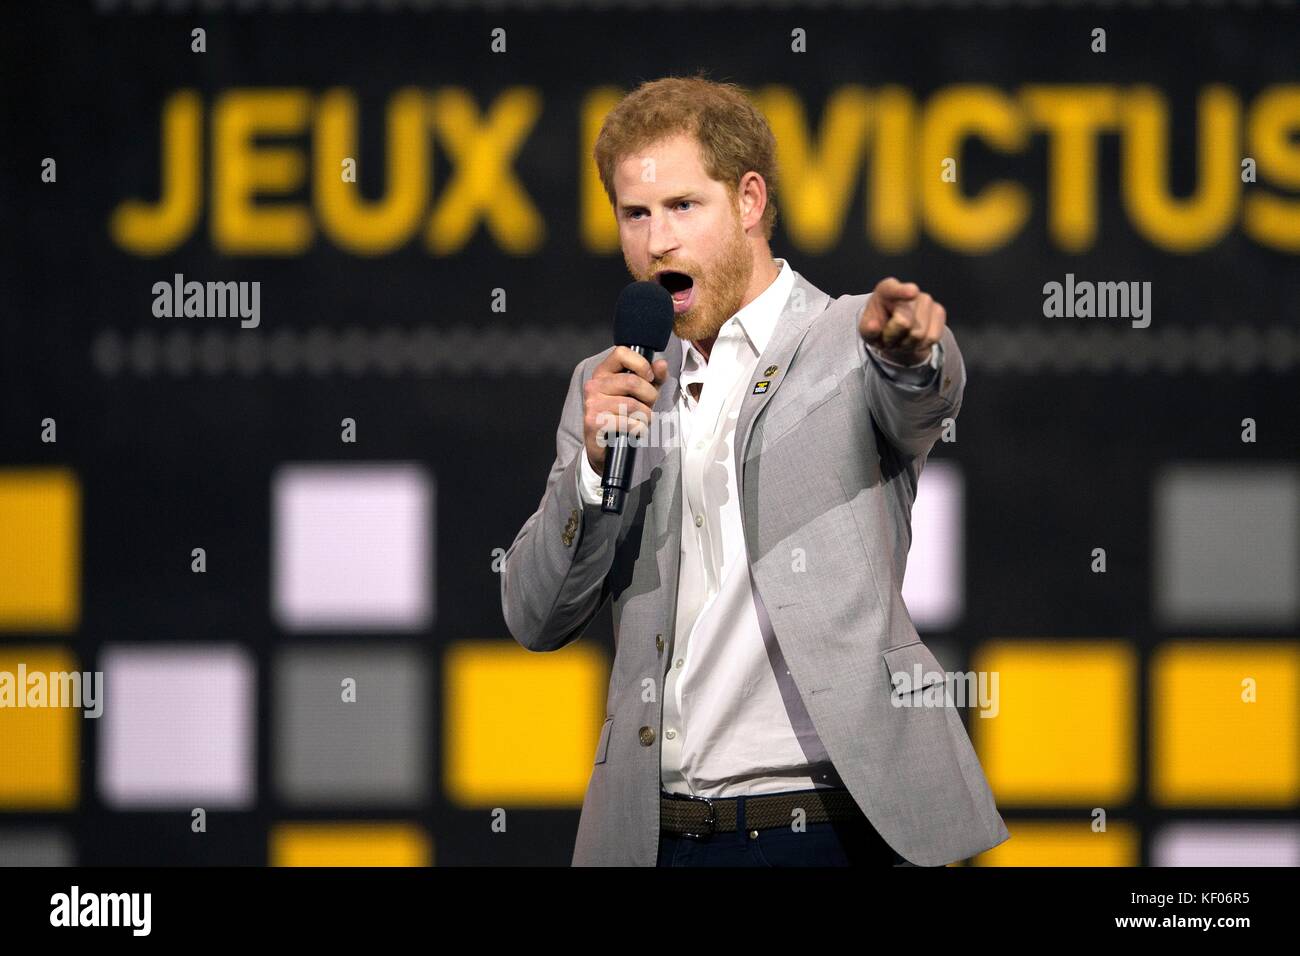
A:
(643, 320)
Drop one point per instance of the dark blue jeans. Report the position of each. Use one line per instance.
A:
(838, 843)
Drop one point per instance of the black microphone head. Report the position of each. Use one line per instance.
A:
(644, 316)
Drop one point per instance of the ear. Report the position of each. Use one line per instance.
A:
(753, 199)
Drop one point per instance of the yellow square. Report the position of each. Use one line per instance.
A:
(40, 549)
(520, 727)
(1224, 723)
(349, 844)
(39, 746)
(1066, 722)
(1074, 843)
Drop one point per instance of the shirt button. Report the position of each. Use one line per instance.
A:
(753, 834)
(647, 735)
(679, 662)
(698, 521)
(699, 444)
(671, 734)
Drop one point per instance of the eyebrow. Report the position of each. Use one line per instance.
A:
(671, 201)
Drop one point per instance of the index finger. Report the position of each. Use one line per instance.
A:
(896, 291)
(624, 358)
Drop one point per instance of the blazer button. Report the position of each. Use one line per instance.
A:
(659, 642)
(647, 736)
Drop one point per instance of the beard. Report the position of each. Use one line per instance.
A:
(719, 290)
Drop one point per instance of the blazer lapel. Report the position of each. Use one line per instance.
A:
(806, 301)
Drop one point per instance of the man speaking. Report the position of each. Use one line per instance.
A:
(756, 713)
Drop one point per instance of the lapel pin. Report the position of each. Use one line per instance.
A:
(761, 387)
(771, 370)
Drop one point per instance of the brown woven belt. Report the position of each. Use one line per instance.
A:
(700, 817)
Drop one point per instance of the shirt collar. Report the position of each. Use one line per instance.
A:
(757, 320)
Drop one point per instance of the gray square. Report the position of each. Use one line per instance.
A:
(1227, 545)
(37, 846)
(368, 753)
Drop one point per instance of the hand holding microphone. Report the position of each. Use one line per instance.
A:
(619, 398)
(610, 397)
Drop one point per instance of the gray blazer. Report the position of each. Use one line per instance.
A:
(828, 457)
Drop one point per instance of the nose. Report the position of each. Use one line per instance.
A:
(662, 239)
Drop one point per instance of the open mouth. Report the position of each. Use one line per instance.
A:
(680, 286)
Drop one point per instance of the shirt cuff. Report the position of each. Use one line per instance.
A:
(589, 489)
(919, 374)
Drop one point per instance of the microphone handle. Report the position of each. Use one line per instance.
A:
(619, 458)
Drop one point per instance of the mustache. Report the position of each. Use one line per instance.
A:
(695, 274)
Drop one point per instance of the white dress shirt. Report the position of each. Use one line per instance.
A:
(733, 720)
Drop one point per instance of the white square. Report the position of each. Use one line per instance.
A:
(352, 547)
(1226, 844)
(177, 729)
(933, 587)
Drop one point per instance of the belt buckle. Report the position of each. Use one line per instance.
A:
(711, 819)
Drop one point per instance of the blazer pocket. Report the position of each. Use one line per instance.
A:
(900, 669)
(602, 745)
